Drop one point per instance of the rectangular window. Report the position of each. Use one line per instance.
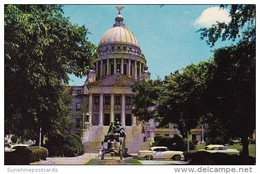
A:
(107, 100)
(128, 100)
(78, 106)
(77, 122)
(118, 100)
(124, 69)
(96, 100)
(128, 120)
(112, 69)
(78, 92)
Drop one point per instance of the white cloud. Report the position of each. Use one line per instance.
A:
(211, 16)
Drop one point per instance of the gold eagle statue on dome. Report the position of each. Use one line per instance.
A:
(119, 8)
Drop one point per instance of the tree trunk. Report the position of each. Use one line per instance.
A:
(245, 143)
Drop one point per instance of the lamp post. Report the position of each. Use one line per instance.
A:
(83, 119)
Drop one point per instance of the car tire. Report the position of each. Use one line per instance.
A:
(176, 157)
(149, 157)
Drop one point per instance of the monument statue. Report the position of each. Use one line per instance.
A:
(114, 142)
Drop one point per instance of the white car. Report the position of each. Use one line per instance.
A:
(160, 152)
(215, 148)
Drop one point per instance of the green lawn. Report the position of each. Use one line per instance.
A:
(127, 162)
(237, 146)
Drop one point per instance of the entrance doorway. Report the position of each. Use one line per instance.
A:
(106, 119)
(118, 117)
(128, 120)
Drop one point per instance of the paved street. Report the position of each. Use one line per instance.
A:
(162, 162)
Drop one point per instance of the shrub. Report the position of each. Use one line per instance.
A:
(219, 140)
(26, 156)
(175, 143)
(205, 158)
(195, 142)
(231, 142)
(68, 146)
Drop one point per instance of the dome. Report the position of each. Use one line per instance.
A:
(118, 35)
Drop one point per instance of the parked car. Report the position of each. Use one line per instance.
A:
(160, 152)
(8, 148)
(215, 148)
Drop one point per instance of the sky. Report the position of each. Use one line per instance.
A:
(167, 34)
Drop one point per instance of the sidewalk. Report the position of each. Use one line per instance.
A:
(67, 160)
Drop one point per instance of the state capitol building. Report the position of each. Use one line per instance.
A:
(106, 94)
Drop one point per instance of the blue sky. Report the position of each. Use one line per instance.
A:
(167, 35)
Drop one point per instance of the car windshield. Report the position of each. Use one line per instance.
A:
(222, 148)
(19, 147)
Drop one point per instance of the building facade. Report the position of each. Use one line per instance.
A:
(106, 94)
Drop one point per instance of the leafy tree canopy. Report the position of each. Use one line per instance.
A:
(242, 25)
(145, 98)
(41, 48)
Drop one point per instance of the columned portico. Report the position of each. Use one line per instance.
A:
(123, 110)
(108, 67)
(101, 69)
(129, 68)
(122, 66)
(112, 109)
(115, 66)
(90, 110)
(101, 110)
(140, 70)
(135, 70)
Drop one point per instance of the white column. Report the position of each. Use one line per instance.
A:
(97, 69)
(133, 120)
(115, 66)
(140, 70)
(129, 67)
(112, 108)
(90, 108)
(135, 70)
(122, 66)
(108, 70)
(101, 69)
(101, 109)
(123, 110)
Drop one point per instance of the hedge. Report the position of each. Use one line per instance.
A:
(26, 156)
(176, 143)
(68, 146)
(206, 158)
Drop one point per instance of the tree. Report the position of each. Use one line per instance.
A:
(242, 24)
(183, 100)
(233, 86)
(233, 90)
(41, 48)
(145, 98)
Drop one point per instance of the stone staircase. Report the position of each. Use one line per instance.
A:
(94, 135)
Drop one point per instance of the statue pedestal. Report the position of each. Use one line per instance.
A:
(111, 162)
